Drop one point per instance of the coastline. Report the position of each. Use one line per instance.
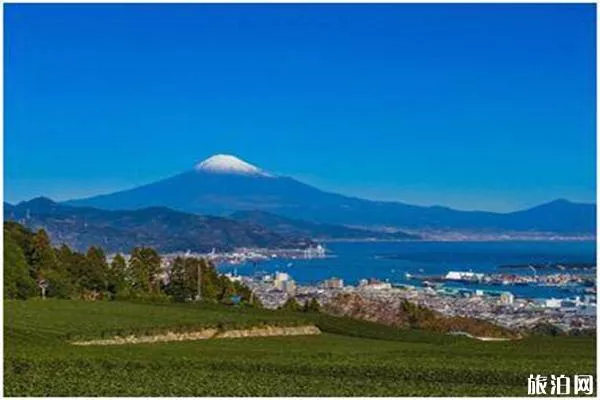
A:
(465, 239)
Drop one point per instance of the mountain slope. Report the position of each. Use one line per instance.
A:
(318, 231)
(555, 216)
(159, 227)
(232, 185)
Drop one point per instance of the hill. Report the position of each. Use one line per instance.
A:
(349, 358)
(164, 229)
(317, 231)
(224, 184)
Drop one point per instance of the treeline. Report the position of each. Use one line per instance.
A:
(420, 317)
(292, 304)
(545, 329)
(408, 315)
(30, 263)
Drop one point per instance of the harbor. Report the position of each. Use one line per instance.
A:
(571, 282)
(515, 298)
(428, 264)
(255, 256)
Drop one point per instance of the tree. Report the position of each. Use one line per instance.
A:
(256, 302)
(211, 289)
(245, 293)
(145, 270)
(312, 305)
(75, 265)
(227, 290)
(64, 256)
(23, 238)
(45, 266)
(546, 329)
(192, 266)
(95, 278)
(43, 257)
(117, 276)
(30, 258)
(291, 305)
(178, 285)
(182, 282)
(18, 284)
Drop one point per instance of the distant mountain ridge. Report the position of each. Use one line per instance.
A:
(317, 231)
(231, 185)
(162, 228)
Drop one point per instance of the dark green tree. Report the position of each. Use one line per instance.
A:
(312, 305)
(244, 292)
(256, 302)
(145, 270)
(291, 305)
(76, 267)
(95, 277)
(227, 290)
(45, 266)
(211, 289)
(42, 256)
(117, 277)
(64, 256)
(18, 283)
(179, 285)
(23, 237)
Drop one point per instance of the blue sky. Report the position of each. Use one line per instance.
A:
(486, 107)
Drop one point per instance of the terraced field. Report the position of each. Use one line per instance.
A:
(350, 358)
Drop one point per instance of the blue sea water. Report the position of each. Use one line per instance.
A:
(353, 261)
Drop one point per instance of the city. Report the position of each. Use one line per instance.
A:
(498, 307)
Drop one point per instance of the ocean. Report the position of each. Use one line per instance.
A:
(353, 261)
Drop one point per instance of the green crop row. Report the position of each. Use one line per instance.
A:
(350, 358)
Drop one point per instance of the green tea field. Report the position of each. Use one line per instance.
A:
(350, 358)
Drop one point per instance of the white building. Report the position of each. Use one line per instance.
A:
(507, 298)
(458, 276)
(280, 279)
(333, 283)
(378, 286)
(315, 252)
(233, 278)
(553, 303)
(289, 286)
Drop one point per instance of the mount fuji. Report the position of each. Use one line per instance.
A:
(224, 184)
(227, 164)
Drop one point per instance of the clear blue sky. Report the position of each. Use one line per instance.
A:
(472, 106)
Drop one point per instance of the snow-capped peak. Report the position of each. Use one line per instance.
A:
(228, 164)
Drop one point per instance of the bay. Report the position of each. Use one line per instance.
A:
(391, 261)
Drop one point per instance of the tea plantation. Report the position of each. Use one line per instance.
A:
(350, 358)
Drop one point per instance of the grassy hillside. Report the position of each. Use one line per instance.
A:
(349, 358)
